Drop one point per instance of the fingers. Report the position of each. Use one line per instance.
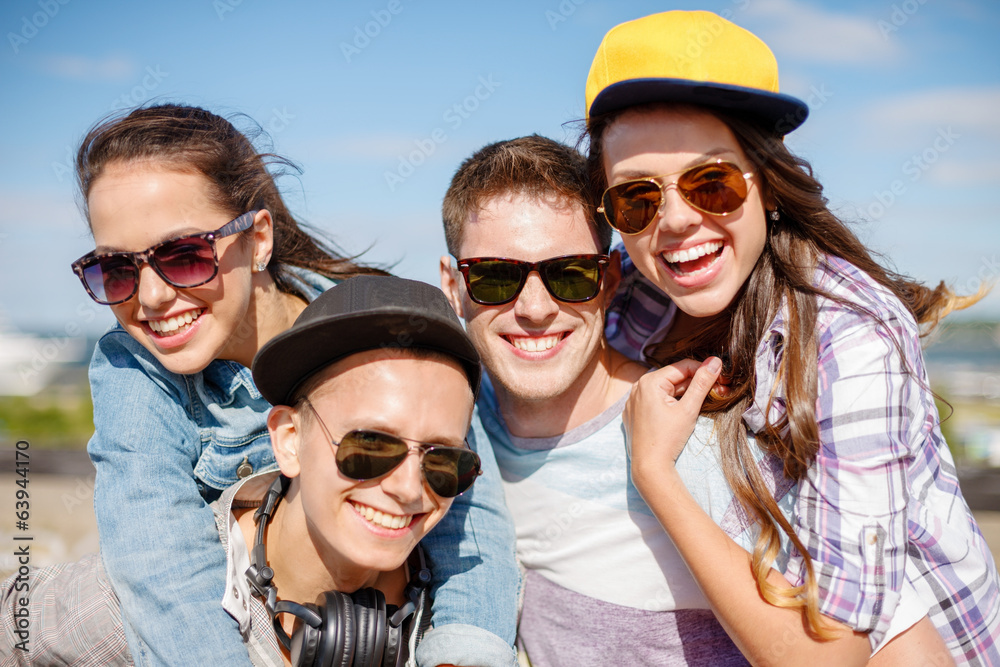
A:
(679, 372)
(703, 381)
(675, 378)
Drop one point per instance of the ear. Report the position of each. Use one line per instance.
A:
(263, 237)
(284, 423)
(452, 285)
(612, 276)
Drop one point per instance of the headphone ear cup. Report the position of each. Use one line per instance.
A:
(337, 644)
(305, 640)
(370, 618)
(395, 649)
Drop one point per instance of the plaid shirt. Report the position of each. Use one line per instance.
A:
(880, 510)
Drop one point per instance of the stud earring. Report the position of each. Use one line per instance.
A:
(774, 215)
(261, 265)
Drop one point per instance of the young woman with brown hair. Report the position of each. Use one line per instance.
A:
(819, 349)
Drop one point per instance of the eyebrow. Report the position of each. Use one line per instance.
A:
(389, 430)
(707, 156)
(188, 231)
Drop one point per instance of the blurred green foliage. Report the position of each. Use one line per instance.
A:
(47, 421)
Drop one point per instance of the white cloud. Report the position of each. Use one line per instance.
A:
(798, 30)
(83, 68)
(966, 110)
(977, 172)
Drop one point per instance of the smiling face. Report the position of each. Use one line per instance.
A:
(700, 260)
(135, 206)
(373, 525)
(535, 347)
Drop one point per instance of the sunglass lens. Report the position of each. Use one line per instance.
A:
(630, 207)
(367, 454)
(186, 262)
(573, 279)
(449, 471)
(715, 188)
(111, 279)
(494, 282)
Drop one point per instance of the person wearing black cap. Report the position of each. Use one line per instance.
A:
(736, 261)
(373, 388)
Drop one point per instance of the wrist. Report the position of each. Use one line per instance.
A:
(654, 474)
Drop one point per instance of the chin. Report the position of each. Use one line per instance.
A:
(184, 364)
(704, 304)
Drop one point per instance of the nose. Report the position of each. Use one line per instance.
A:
(534, 303)
(405, 484)
(153, 290)
(675, 215)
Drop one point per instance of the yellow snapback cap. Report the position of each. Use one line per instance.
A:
(690, 57)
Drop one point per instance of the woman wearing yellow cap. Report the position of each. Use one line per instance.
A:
(818, 348)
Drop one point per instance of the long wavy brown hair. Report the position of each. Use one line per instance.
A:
(191, 139)
(805, 232)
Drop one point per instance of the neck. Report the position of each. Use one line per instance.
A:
(269, 312)
(600, 386)
(305, 566)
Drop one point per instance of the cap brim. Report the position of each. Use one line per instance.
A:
(290, 358)
(780, 112)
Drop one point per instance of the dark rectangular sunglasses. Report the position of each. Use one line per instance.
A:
(493, 281)
(187, 261)
(367, 454)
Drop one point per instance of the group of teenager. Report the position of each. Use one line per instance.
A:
(714, 444)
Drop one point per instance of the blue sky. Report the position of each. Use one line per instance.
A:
(378, 102)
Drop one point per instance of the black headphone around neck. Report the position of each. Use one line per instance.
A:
(340, 630)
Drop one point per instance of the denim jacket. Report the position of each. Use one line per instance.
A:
(165, 445)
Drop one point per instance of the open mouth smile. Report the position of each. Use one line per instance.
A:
(382, 519)
(535, 343)
(693, 261)
(171, 326)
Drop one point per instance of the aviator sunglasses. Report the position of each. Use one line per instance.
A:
(187, 261)
(492, 281)
(365, 454)
(716, 188)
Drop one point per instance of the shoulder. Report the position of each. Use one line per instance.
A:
(121, 364)
(856, 299)
(122, 370)
(860, 325)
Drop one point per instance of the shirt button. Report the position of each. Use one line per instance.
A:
(236, 593)
(244, 469)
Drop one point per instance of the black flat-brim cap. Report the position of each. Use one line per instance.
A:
(360, 314)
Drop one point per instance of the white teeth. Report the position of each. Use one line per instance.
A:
(692, 253)
(534, 344)
(385, 520)
(176, 323)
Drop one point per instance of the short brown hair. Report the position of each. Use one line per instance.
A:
(533, 165)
